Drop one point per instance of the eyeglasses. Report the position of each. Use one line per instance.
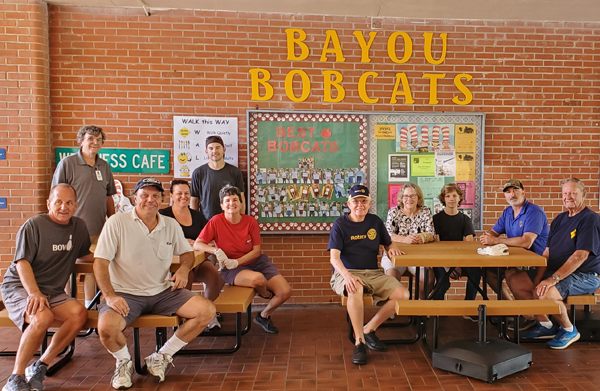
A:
(412, 196)
(364, 201)
(93, 139)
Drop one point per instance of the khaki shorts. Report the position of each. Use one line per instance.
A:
(375, 281)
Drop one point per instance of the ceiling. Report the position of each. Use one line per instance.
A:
(537, 10)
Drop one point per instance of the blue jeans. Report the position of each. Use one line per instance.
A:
(575, 284)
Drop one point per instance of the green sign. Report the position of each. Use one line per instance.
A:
(331, 144)
(142, 161)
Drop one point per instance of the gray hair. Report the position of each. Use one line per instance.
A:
(93, 130)
(578, 182)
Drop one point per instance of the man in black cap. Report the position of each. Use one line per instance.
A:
(132, 262)
(354, 246)
(524, 225)
(210, 178)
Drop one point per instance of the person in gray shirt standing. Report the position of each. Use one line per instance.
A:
(210, 178)
(33, 287)
(92, 179)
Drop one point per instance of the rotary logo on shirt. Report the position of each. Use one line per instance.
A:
(520, 224)
(372, 234)
(573, 233)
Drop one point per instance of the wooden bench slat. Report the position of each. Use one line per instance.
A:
(460, 308)
(6, 322)
(234, 299)
(367, 300)
(582, 300)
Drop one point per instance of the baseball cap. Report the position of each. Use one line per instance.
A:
(148, 182)
(214, 139)
(513, 183)
(497, 250)
(358, 191)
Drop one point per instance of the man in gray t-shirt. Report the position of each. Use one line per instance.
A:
(33, 287)
(92, 179)
(210, 178)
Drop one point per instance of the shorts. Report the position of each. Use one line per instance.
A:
(261, 265)
(575, 284)
(386, 264)
(16, 303)
(165, 303)
(376, 282)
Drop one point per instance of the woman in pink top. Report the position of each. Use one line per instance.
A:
(237, 247)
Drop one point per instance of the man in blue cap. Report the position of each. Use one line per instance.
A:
(354, 246)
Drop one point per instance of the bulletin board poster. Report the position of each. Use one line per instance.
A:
(189, 141)
(429, 150)
(301, 167)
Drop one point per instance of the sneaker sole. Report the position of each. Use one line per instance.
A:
(542, 337)
(122, 387)
(160, 379)
(575, 339)
(264, 328)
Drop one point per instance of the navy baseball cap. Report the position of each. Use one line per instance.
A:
(148, 182)
(359, 191)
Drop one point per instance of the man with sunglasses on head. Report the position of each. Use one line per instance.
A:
(92, 179)
(354, 246)
(132, 265)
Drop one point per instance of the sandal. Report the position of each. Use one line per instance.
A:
(265, 297)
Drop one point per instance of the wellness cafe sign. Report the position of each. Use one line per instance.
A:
(262, 90)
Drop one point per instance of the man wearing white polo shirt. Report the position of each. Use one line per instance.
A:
(133, 258)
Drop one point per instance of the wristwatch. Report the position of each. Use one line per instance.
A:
(556, 278)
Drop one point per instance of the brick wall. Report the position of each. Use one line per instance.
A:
(538, 82)
(24, 117)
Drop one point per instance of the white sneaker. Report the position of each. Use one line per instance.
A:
(213, 323)
(121, 379)
(157, 364)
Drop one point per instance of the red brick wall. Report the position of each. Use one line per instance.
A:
(538, 83)
(24, 117)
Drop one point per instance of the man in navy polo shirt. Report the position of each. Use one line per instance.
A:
(354, 246)
(573, 265)
(524, 224)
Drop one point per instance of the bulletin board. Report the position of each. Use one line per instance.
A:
(301, 166)
(429, 150)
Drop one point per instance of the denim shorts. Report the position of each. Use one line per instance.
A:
(575, 284)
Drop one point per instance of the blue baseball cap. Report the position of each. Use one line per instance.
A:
(359, 191)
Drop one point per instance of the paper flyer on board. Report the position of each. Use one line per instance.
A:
(445, 163)
(465, 167)
(398, 168)
(422, 165)
(465, 138)
(468, 189)
(189, 141)
(430, 186)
